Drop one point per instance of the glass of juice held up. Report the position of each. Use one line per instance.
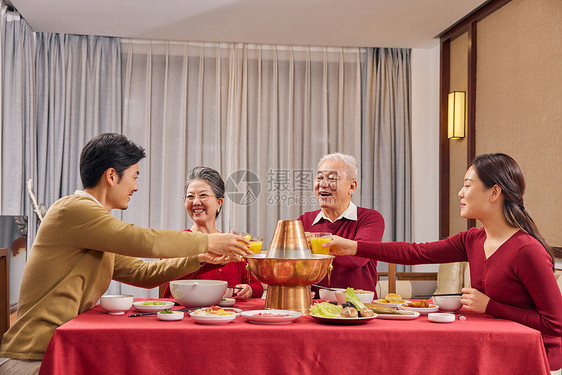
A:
(317, 239)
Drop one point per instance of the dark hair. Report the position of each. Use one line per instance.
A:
(502, 170)
(107, 150)
(210, 176)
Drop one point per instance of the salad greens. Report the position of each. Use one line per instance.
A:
(326, 310)
(154, 303)
(166, 311)
(352, 297)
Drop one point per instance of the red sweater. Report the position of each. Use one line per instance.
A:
(234, 273)
(349, 270)
(518, 277)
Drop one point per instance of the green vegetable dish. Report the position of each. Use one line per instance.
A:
(166, 311)
(326, 310)
(352, 308)
(154, 303)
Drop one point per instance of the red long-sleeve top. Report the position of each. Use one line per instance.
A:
(518, 277)
(350, 270)
(234, 273)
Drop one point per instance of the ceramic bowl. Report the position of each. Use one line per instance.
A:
(365, 296)
(225, 302)
(448, 303)
(176, 315)
(116, 304)
(329, 295)
(198, 293)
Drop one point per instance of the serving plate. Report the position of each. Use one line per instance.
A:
(346, 321)
(421, 310)
(268, 316)
(231, 309)
(213, 319)
(152, 308)
(415, 315)
(376, 302)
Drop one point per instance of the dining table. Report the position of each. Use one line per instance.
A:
(96, 342)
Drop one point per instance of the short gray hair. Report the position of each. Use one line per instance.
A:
(210, 176)
(349, 161)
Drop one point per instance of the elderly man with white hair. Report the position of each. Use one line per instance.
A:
(336, 180)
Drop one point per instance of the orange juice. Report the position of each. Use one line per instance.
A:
(255, 246)
(316, 245)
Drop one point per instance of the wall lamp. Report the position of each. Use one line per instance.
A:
(457, 110)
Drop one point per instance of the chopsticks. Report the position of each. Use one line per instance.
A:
(323, 287)
(439, 295)
(234, 287)
(156, 312)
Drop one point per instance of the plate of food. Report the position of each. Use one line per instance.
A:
(421, 306)
(385, 312)
(342, 320)
(391, 300)
(152, 305)
(214, 315)
(271, 316)
(325, 312)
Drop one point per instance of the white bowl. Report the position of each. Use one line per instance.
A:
(365, 297)
(116, 304)
(225, 302)
(441, 317)
(329, 295)
(140, 306)
(198, 293)
(448, 303)
(177, 315)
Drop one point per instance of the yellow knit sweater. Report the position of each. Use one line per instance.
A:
(79, 248)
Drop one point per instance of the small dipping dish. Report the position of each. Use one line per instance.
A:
(441, 317)
(226, 301)
(176, 315)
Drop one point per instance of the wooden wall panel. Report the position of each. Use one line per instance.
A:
(518, 104)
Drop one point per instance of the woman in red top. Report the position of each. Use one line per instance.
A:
(203, 201)
(511, 265)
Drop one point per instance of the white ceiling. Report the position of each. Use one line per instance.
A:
(354, 23)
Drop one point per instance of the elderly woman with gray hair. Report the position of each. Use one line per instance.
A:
(203, 199)
(336, 180)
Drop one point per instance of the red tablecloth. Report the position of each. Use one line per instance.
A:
(98, 343)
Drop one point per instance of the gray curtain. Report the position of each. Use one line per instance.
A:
(16, 114)
(58, 91)
(78, 96)
(386, 140)
(266, 109)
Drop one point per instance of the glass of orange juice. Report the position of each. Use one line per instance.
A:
(248, 236)
(256, 244)
(316, 241)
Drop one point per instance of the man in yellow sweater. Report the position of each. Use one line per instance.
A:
(80, 247)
